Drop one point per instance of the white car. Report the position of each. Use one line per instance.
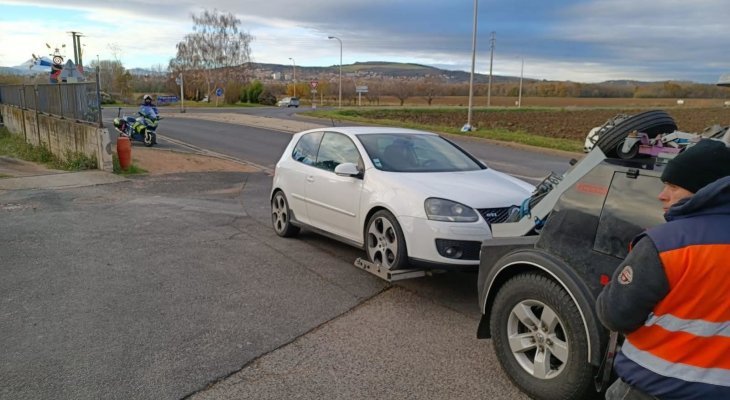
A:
(406, 197)
(288, 102)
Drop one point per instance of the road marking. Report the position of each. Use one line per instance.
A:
(202, 151)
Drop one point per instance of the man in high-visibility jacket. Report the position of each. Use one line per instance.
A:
(670, 297)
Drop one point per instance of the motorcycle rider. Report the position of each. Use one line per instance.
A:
(148, 108)
(150, 117)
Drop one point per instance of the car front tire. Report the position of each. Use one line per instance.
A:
(384, 241)
(281, 216)
(540, 340)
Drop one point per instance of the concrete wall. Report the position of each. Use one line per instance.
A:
(60, 135)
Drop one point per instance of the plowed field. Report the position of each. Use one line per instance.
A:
(555, 117)
(575, 124)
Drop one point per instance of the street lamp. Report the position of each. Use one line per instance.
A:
(294, 69)
(338, 39)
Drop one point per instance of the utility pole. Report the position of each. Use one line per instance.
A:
(522, 73)
(78, 57)
(468, 126)
(491, 61)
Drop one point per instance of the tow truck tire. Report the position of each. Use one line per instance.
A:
(555, 333)
(281, 216)
(653, 123)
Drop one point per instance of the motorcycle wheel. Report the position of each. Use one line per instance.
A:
(148, 139)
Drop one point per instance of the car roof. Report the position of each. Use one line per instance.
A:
(370, 130)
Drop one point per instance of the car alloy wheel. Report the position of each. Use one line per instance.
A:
(384, 241)
(281, 216)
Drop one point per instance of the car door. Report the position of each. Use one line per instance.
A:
(334, 201)
(294, 173)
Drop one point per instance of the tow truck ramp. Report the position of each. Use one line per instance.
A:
(388, 275)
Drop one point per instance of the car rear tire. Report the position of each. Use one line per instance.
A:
(384, 241)
(540, 340)
(653, 123)
(281, 216)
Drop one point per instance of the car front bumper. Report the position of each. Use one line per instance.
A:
(430, 241)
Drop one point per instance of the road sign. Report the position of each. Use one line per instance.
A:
(177, 81)
(313, 84)
(219, 92)
(361, 89)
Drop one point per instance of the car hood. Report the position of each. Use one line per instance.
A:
(478, 189)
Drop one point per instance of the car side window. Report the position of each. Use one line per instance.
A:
(631, 207)
(336, 149)
(306, 149)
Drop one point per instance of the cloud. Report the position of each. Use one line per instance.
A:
(569, 39)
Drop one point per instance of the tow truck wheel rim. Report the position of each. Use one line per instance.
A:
(537, 339)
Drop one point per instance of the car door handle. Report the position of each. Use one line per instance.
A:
(310, 178)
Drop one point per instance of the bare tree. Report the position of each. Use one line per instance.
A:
(401, 89)
(429, 88)
(216, 52)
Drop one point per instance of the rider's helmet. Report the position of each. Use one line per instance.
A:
(147, 99)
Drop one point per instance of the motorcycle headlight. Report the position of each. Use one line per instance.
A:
(450, 211)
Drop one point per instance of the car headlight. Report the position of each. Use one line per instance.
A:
(450, 211)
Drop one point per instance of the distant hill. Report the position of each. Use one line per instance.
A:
(145, 71)
(17, 71)
(389, 70)
(369, 69)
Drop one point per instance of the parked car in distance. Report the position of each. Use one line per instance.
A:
(288, 102)
(406, 197)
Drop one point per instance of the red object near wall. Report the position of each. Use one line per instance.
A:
(124, 152)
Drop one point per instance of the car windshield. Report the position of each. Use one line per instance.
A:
(407, 152)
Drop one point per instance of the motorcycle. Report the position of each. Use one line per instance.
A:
(142, 128)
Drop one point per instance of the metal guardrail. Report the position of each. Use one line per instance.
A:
(77, 101)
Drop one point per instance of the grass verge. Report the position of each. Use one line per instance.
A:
(504, 135)
(132, 170)
(16, 147)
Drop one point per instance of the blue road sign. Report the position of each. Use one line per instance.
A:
(219, 92)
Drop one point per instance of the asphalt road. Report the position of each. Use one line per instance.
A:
(264, 147)
(176, 286)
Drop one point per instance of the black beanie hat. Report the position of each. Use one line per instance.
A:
(699, 165)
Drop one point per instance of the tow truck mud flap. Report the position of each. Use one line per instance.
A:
(386, 274)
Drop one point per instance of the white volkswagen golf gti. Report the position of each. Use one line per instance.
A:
(406, 197)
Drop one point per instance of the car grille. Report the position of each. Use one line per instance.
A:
(495, 215)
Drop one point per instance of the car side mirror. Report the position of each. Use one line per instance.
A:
(347, 169)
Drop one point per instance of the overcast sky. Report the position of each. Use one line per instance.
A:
(583, 41)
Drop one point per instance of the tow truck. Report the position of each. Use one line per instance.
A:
(540, 275)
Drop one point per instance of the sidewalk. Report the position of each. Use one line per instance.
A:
(19, 174)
